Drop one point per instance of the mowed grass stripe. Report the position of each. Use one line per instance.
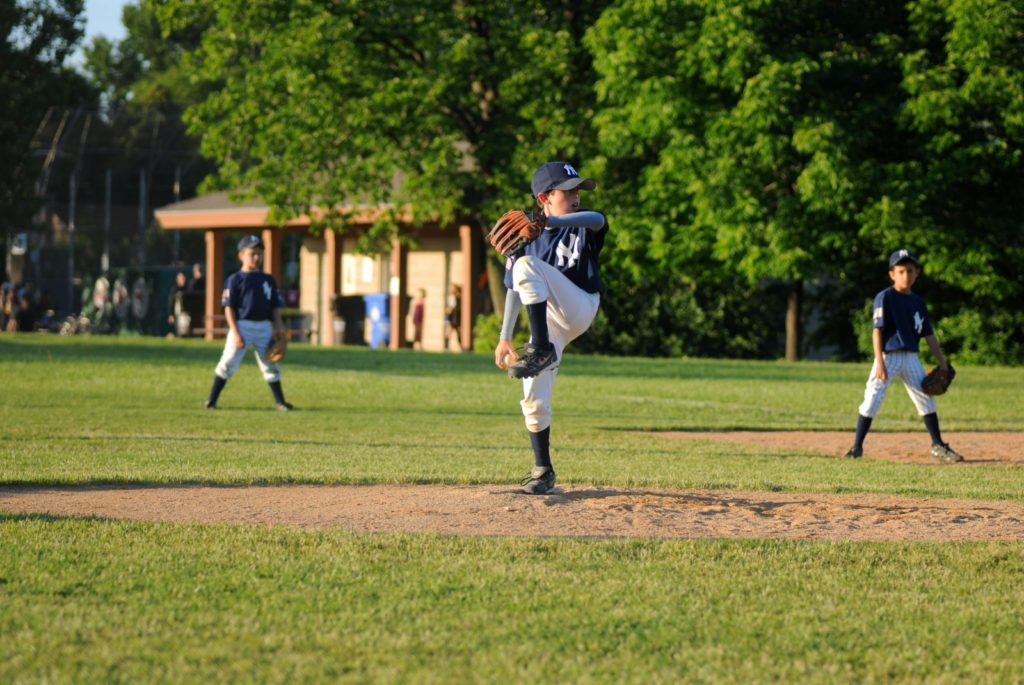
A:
(94, 601)
(114, 410)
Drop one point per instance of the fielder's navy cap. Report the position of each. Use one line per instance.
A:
(902, 256)
(249, 241)
(559, 176)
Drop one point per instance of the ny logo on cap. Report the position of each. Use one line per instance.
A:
(904, 253)
(569, 170)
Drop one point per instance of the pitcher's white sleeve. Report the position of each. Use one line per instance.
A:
(508, 321)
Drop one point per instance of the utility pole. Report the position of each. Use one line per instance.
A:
(73, 197)
(177, 198)
(105, 259)
(72, 194)
(142, 218)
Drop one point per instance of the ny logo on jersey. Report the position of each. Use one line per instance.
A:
(267, 292)
(570, 170)
(571, 252)
(918, 322)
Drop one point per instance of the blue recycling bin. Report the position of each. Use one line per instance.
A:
(380, 321)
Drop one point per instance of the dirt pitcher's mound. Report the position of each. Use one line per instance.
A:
(912, 448)
(572, 510)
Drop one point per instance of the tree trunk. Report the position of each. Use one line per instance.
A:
(796, 290)
(496, 285)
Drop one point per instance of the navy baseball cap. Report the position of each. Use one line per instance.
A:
(902, 256)
(249, 241)
(559, 176)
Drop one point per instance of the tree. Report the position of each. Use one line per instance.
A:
(38, 37)
(145, 90)
(755, 126)
(440, 109)
(957, 193)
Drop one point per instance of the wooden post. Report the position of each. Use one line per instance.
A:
(793, 321)
(469, 268)
(396, 290)
(272, 240)
(329, 288)
(214, 280)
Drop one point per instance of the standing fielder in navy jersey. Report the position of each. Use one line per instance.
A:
(900, 320)
(252, 307)
(557, 278)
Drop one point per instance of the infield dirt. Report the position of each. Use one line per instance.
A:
(578, 510)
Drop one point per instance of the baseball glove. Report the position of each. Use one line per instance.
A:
(938, 380)
(515, 230)
(277, 348)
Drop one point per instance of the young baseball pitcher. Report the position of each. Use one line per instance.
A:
(556, 276)
(252, 307)
(900, 320)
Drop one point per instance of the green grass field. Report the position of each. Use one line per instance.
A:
(108, 601)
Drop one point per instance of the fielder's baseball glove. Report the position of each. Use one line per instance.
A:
(515, 230)
(937, 381)
(277, 348)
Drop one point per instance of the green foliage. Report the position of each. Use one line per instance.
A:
(808, 140)
(431, 109)
(36, 38)
(487, 330)
(740, 146)
(985, 337)
(145, 72)
(676, 317)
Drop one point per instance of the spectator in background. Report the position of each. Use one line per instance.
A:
(198, 284)
(417, 319)
(45, 313)
(7, 305)
(175, 306)
(25, 317)
(453, 316)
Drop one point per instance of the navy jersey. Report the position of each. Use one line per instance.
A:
(253, 295)
(573, 250)
(903, 318)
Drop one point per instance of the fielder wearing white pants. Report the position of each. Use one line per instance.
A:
(257, 335)
(907, 366)
(570, 313)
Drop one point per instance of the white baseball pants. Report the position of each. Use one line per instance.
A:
(570, 313)
(907, 367)
(257, 335)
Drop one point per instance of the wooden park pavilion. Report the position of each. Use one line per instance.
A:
(329, 266)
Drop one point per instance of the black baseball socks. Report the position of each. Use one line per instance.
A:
(863, 426)
(275, 388)
(541, 442)
(218, 385)
(538, 314)
(931, 422)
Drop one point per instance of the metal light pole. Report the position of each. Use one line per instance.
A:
(105, 259)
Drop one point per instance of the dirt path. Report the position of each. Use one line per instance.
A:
(572, 511)
(911, 448)
(580, 510)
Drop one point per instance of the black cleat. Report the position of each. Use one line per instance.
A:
(855, 452)
(540, 481)
(534, 360)
(285, 406)
(209, 405)
(943, 452)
